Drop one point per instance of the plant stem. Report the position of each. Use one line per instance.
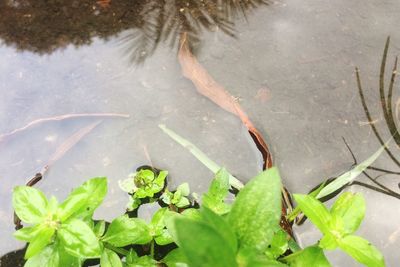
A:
(152, 249)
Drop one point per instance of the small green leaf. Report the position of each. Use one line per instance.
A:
(349, 176)
(308, 257)
(78, 239)
(183, 202)
(202, 245)
(29, 204)
(41, 240)
(99, 228)
(133, 260)
(164, 238)
(175, 258)
(314, 210)
(84, 199)
(219, 188)
(110, 259)
(124, 231)
(256, 212)
(351, 208)
(184, 189)
(362, 251)
(279, 244)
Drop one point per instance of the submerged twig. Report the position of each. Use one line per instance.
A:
(62, 117)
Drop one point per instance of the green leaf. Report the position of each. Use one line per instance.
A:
(349, 176)
(279, 244)
(157, 222)
(219, 188)
(362, 251)
(99, 228)
(110, 259)
(28, 233)
(41, 240)
(175, 258)
(202, 245)
(84, 200)
(78, 239)
(248, 257)
(256, 212)
(133, 260)
(48, 257)
(124, 231)
(29, 204)
(220, 225)
(184, 189)
(309, 257)
(351, 208)
(197, 153)
(314, 210)
(164, 238)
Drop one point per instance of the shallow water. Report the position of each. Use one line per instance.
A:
(291, 66)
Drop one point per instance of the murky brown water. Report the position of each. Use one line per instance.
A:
(290, 64)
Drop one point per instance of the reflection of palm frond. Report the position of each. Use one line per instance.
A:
(166, 21)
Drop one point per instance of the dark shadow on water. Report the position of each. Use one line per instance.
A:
(42, 26)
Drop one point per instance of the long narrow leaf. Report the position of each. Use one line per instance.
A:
(350, 175)
(203, 158)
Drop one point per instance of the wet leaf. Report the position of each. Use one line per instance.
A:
(41, 240)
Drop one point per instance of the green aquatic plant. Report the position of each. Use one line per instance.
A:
(242, 232)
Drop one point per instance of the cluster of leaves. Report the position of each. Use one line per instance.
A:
(243, 232)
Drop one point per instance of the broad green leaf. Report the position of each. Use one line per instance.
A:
(314, 210)
(309, 257)
(256, 212)
(84, 199)
(28, 233)
(110, 259)
(48, 257)
(41, 240)
(175, 258)
(202, 245)
(220, 225)
(217, 192)
(99, 228)
(197, 153)
(349, 176)
(124, 231)
(351, 208)
(78, 239)
(362, 251)
(29, 204)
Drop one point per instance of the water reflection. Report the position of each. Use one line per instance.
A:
(44, 26)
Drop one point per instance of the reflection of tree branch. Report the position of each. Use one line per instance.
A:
(43, 26)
